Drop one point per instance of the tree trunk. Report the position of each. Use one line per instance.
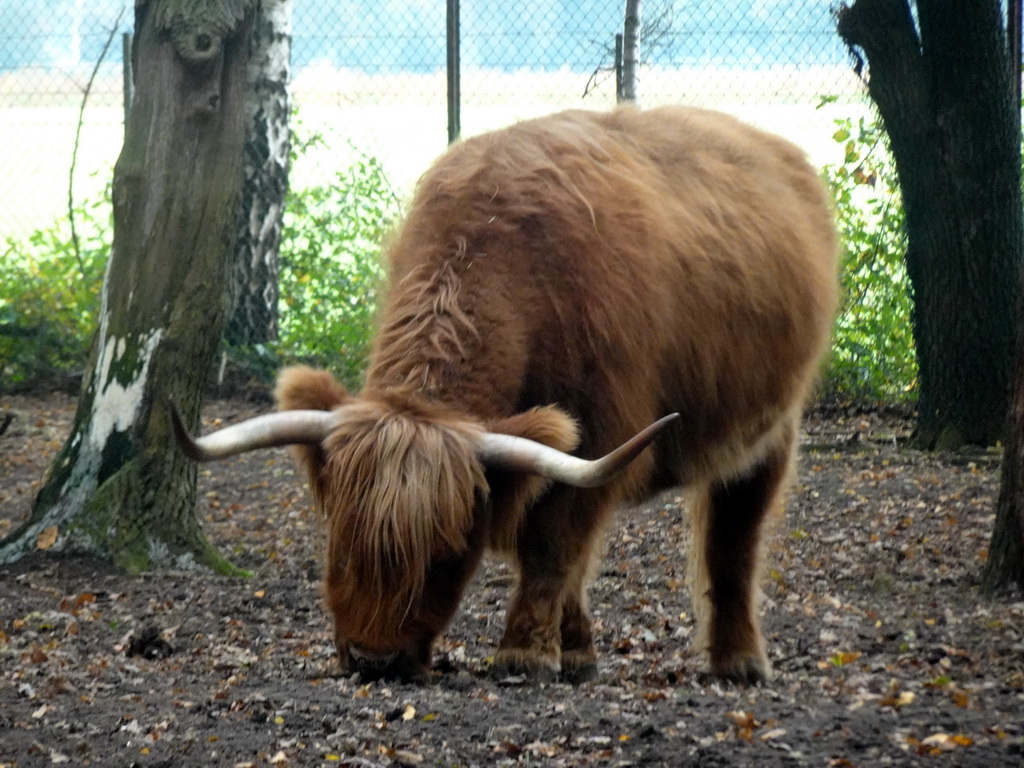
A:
(1005, 566)
(254, 282)
(119, 488)
(630, 50)
(944, 93)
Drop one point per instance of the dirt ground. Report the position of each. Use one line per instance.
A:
(885, 654)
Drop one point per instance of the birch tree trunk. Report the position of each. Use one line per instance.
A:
(254, 281)
(119, 489)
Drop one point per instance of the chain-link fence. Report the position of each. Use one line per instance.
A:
(372, 78)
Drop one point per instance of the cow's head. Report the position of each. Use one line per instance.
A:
(403, 492)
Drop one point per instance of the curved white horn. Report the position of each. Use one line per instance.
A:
(268, 431)
(519, 453)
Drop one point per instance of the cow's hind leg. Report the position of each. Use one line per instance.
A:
(729, 517)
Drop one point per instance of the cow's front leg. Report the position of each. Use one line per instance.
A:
(579, 657)
(531, 645)
(548, 632)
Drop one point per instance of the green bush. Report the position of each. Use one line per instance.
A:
(330, 272)
(330, 268)
(873, 355)
(50, 296)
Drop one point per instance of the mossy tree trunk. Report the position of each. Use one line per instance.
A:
(943, 87)
(254, 282)
(119, 489)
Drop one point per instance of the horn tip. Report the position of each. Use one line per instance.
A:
(660, 424)
(182, 436)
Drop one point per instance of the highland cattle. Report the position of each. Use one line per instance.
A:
(556, 287)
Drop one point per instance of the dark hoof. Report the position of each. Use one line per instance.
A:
(578, 667)
(585, 673)
(747, 669)
(516, 664)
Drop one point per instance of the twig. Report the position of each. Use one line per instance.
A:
(595, 78)
(78, 135)
(607, 70)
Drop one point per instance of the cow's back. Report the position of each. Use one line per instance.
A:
(752, 239)
(621, 265)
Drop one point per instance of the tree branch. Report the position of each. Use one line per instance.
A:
(78, 136)
(884, 32)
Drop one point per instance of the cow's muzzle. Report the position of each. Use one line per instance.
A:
(360, 659)
(372, 666)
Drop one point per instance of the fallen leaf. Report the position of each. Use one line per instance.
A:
(897, 700)
(742, 719)
(406, 758)
(960, 698)
(47, 538)
(843, 658)
(944, 742)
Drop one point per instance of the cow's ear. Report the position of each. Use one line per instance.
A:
(303, 388)
(512, 493)
(547, 424)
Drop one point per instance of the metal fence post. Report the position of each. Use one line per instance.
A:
(618, 67)
(631, 32)
(454, 97)
(128, 87)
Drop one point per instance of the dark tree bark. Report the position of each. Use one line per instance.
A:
(944, 92)
(254, 282)
(1005, 565)
(120, 489)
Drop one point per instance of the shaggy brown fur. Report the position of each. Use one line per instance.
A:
(614, 267)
